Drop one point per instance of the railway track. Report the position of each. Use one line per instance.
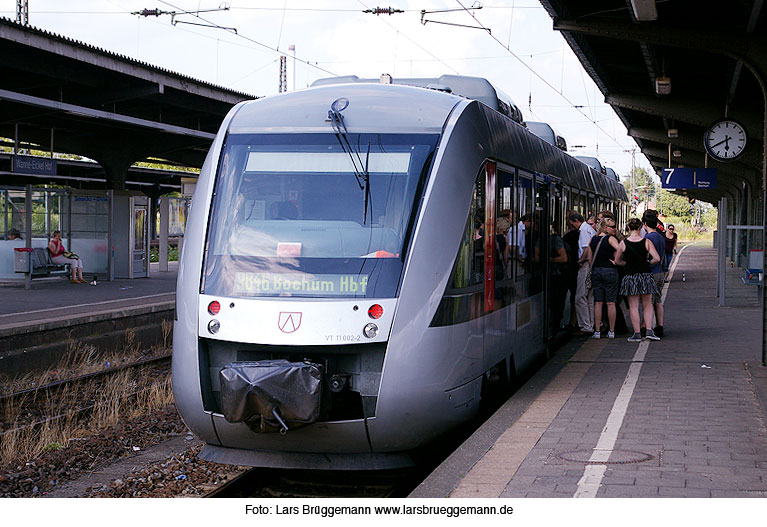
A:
(283, 483)
(72, 398)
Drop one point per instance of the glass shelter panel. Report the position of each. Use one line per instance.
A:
(89, 219)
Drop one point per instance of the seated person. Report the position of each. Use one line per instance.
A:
(283, 210)
(59, 255)
(14, 234)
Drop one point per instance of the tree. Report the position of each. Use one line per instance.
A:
(675, 205)
(644, 185)
(710, 216)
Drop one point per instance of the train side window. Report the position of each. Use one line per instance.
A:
(469, 265)
(521, 242)
(504, 207)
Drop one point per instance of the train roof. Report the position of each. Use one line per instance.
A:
(477, 88)
(547, 132)
(371, 108)
(376, 108)
(593, 162)
(531, 153)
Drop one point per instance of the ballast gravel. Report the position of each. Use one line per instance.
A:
(182, 475)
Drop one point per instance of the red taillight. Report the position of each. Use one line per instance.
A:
(375, 311)
(214, 307)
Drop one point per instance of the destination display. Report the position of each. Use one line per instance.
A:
(274, 284)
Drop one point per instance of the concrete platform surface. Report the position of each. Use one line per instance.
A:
(680, 417)
(55, 298)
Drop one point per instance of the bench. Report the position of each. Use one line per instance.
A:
(42, 265)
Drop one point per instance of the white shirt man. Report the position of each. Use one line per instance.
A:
(585, 233)
(516, 240)
(584, 298)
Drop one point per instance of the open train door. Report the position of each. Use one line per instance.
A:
(540, 228)
(550, 203)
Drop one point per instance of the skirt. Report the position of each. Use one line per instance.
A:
(639, 284)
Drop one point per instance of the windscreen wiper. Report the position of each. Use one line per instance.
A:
(361, 173)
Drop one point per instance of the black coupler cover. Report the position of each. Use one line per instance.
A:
(252, 391)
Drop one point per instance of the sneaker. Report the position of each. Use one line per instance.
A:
(658, 330)
(596, 335)
(610, 334)
(643, 331)
(651, 335)
(636, 337)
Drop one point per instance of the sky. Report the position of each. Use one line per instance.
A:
(520, 55)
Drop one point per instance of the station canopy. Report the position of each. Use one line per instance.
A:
(672, 68)
(83, 100)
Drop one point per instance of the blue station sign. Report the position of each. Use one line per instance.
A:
(41, 166)
(688, 178)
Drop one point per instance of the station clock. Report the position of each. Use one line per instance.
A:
(725, 139)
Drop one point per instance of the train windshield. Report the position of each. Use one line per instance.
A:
(300, 215)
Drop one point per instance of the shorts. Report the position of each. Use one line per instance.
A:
(660, 278)
(604, 284)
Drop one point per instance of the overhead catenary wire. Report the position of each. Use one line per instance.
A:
(252, 8)
(538, 75)
(249, 39)
(411, 40)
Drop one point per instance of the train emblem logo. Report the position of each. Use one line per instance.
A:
(289, 321)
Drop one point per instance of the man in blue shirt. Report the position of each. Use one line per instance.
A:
(650, 221)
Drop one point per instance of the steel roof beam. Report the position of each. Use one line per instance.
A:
(756, 9)
(100, 58)
(691, 141)
(82, 111)
(693, 112)
(749, 48)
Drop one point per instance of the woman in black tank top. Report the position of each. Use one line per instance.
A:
(604, 275)
(637, 254)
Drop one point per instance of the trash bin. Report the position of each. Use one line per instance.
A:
(22, 259)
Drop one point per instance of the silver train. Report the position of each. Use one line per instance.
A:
(343, 297)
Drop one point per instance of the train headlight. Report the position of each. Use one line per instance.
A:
(375, 311)
(370, 330)
(214, 307)
(213, 326)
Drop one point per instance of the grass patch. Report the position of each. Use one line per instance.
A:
(124, 395)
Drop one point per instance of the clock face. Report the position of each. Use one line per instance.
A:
(725, 139)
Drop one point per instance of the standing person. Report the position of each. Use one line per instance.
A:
(522, 235)
(502, 226)
(657, 239)
(584, 300)
(515, 239)
(604, 275)
(671, 246)
(557, 276)
(638, 282)
(570, 240)
(59, 255)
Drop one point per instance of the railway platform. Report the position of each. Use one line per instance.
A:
(681, 417)
(36, 324)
